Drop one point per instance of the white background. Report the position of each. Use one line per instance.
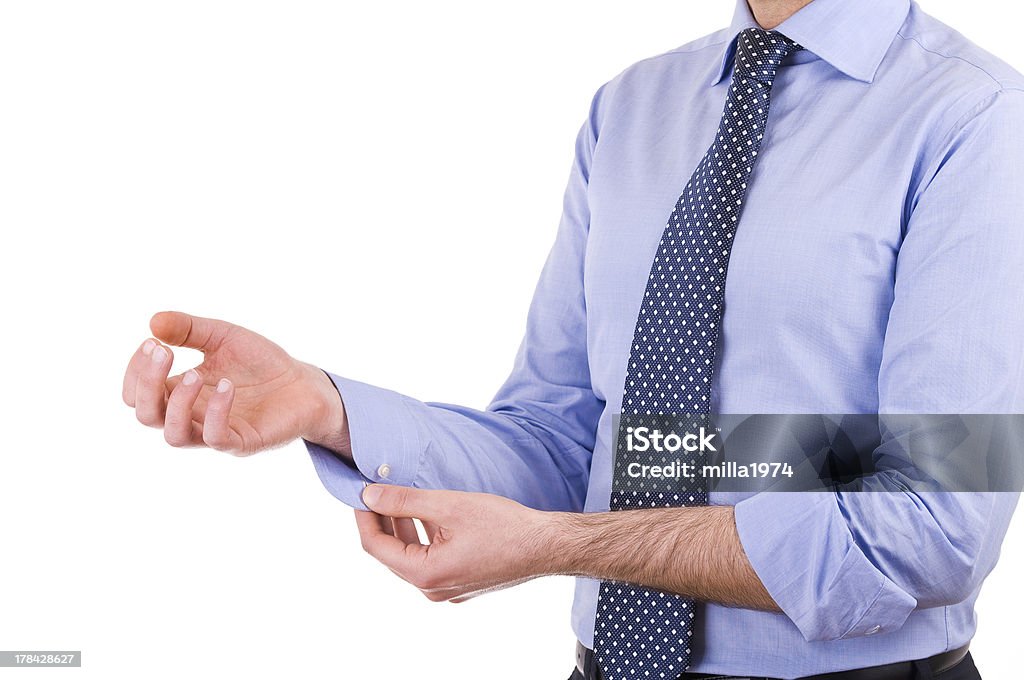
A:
(372, 185)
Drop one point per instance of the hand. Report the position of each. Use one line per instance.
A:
(248, 395)
(478, 542)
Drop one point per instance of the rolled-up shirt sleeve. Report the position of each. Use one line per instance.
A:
(851, 564)
(535, 441)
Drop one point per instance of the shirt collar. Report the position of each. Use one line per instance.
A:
(851, 35)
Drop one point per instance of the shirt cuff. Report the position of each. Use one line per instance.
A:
(386, 443)
(805, 555)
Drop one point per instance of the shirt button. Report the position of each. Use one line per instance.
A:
(384, 471)
(873, 630)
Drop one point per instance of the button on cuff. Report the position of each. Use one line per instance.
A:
(384, 429)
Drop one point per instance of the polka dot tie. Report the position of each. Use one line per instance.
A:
(643, 633)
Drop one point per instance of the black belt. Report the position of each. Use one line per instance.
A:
(902, 670)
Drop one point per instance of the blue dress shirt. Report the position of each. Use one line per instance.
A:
(878, 268)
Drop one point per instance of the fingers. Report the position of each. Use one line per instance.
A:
(179, 428)
(184, 330)
(131, 375)
(405, 530)
(145, 386)
(385, 523)
(217, 432)
(150, 386)
(388, 549)
(395, 543)
(401, 501)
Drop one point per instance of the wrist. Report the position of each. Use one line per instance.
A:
(550, 537)
(328, 424)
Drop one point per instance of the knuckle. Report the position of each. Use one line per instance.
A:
(214, 441)
(175, 421)
(174, 438)
(427, 581)
(148, 418)
(369, 545)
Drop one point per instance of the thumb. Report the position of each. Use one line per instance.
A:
(402, 501)
(184, 330)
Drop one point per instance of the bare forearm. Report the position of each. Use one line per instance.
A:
(694, 552)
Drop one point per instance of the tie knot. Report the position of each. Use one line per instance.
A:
(759, 53)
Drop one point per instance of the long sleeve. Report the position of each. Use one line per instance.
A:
(534, 443)
(850, 564)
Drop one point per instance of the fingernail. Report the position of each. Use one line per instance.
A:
(159, 354)
(148, 346)
(371, 494)
(190, 377)
(224, 385)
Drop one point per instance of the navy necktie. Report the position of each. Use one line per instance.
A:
(639, 632)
